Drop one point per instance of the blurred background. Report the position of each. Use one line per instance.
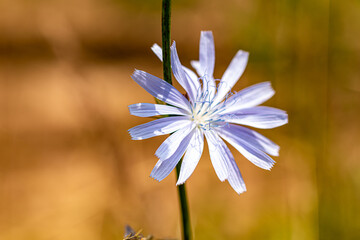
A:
(69, 170)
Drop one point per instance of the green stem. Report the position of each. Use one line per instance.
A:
(186, 231)
(166, 15)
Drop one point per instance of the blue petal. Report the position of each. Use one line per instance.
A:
(250, 136)
(149, 110)
(217, 155)
(189, 75)
(235, 179)
(186, 82)
(259, 117)
(161, 89)
(207, 53)
(192, 76)
(164, 167)
(249, 97)
(169, 146)
(256, 156)
(232, 74)
(205, 65)
(158, 127)
(192, 156)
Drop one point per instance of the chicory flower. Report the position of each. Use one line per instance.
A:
(207, 111)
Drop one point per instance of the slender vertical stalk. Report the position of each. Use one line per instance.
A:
(166, 20)
(166, 16)
(186, 231)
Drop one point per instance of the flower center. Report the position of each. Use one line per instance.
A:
(200, 119)
(202, 116)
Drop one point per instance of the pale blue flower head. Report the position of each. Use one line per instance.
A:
(208, 112)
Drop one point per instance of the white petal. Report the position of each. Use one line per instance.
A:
(217, 155)
(161, 89)
(249, 97)
(259, 117)
(180, 75)
(169, 146)
(252, 137)
(158, 127)
(157, 50)
(235, 179)
(192, 156)
(232, 74)
(254, 155)
(149, 110)
(164, 167)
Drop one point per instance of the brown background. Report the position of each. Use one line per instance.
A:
(69, 170)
